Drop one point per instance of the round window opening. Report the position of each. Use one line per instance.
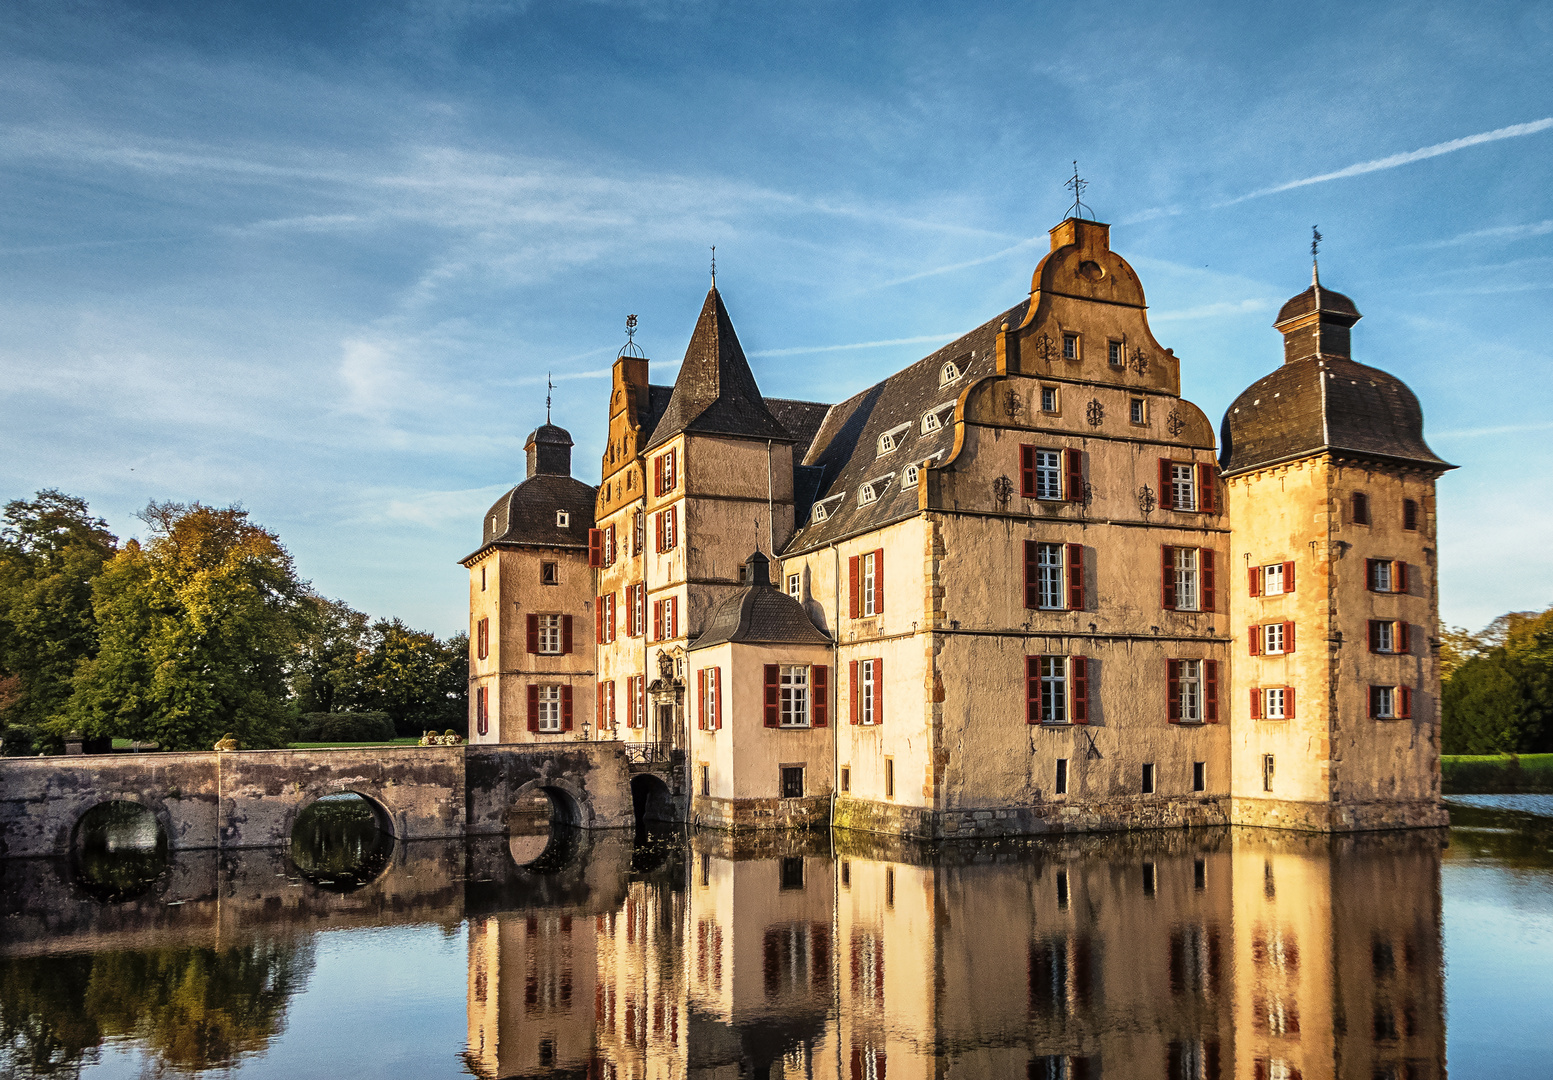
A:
(341, 842)
(1090, 271)
(120, 851)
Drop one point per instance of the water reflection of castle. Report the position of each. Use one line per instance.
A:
(1193, 955)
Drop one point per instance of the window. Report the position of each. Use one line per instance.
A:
(1054, 576)
(1199, 783)
(1056, 689)
(604, 617)
(637, 718)
(638, 531)
(1360, 509)
(795, 586)
(1191, 690)
(794, 695)
(1267, 772)
(892, 438)
(549, 708)
(668, 529)
(1070, 347)
(706, 791)
(1188, 486)
(1409, 515)
(889, 778)
(1274, 579)
(868, 692)
(609, 546)
(1391, 703)
(866, 494)
(604, 708)
(1188, 583)
(909, 477)
(1184, 568)
(948, 373)
(1148, 780)
(846, 778)
(1060, 785)
(1274, 639)
(482, 711)
(1048, 399)
(563, 519)
(866, 581)
(1183, 487)
(482, 579)
(1051, 474)
(482, 639)
(1116, 353)
(665, 619)
(937, 418)
(1386, 575)
(792, 788)
(1272, 703)
(1389, 637)
(665, 473)
(551, 631)
(709, 699)
(1048, 474)
(1137, 411)
(636, 610)
(549, 574)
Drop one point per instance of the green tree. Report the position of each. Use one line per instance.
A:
(196, 627)
(421, 682)
(1498, 695)
(51, 548)
(326, 668)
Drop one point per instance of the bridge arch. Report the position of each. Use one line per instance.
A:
(569, 804)
(388, 820)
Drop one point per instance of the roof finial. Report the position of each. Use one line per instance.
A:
(1315, 246)
(714, 266)
(549, 389)
(630, 348)
(1077, 186)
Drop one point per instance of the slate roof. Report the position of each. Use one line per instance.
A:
(1317, 404)
(1330, 302)
(760, 614)
(802, 419)
(844, 450)
(715, 391)
(526, 515)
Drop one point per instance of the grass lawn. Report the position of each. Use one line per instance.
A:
(1478, 774)
(409, 740)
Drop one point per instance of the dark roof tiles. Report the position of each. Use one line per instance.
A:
(528, 514)
(760, 614)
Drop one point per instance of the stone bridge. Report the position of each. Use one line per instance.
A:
(250, 799)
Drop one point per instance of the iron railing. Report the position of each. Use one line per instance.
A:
(648, 753)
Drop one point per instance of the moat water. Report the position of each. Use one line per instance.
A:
(1222, 953)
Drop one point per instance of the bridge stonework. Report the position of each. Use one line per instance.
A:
(250, 799)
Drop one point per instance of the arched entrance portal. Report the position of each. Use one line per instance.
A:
(342, 841)
(651, 799)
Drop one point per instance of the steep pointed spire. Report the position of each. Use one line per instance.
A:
(715, 393)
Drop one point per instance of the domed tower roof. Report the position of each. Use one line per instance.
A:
(550, 509)
(549, 450)
(1321, 399)
(760, 614)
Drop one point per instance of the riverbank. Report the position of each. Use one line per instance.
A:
(1474, 774)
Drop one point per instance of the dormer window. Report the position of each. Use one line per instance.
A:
(563, 520)
(936, 419)
(826, 508)
(910, 476)
(892, 438)
(871, 491)
(948, 373)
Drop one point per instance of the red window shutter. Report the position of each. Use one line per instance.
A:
(1166, 489)
(533, 708)
(773, 692)
(1210, 695)
(1399, 577)
(856, 594)
(533, 633)
(1032, 569)
(566, 708)
(1254, 584)
(1404, 703)
(657, 620)
(673, 526)
(613, 624)
(878, 581)
(878, 691)
(1075, 577)
(612, 704)
(1374, 635)
(820, 679)
(1078, 672)
(1288, 637)
(1168, 579)
(1288, 703)
(1032, 689)
(657, 475)
(1254, 640)
(595, 547)
(566, 633)
(1209, 593)
(1402, 637)
(1173, 691)
(1288, 577)
(598, 621)
(1207, 494)
(1073, 475)
(1027, 471)
(1369, 573)
(1256, 703)
(852, 694)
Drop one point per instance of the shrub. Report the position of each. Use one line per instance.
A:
(345, 727)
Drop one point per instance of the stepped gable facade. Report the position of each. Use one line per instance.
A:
(1007, 589)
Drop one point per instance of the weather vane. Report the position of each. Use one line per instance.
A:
(549, 389)
(714, 266)
(1315, 245)
(1077, 186)
(630, 348)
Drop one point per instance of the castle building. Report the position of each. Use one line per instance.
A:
(1014, 587)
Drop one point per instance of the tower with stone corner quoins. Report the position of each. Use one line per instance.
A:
(1335, 600)
(531, 634)
(1005, 589)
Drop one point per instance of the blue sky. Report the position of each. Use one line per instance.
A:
(319, 258)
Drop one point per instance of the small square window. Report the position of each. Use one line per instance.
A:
(563, 519)
(792, 781)
(795, 586)
(1116, 353)
(1199, 776)
(1409, 515)
(1070, 347)
(1049, 399)
(846, 778)
(549, 574)
(1137, 410)
(1148, 779)
(1361, 508)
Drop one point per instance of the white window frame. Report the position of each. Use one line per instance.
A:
(1272, 639)
(911, 475)
(670, 528)
(1271, 696)
(793, 696)
(639, 701)
(1385, 703)
(1053, 673)
(550, 642)
(826, 507)
(1383, 580)
(1116, 353)
(563, 519)
(868, 583)
(1272, 572)
(1386, 636)
(1187, 567)
(890, 441)
(1056, 399)
(795, 586)
(1138, 410)
(549, 719)
(1048, 475)
(866, 494)
(1051, 586)
(936, 419)
(867, 677)
(1189, 680)
(949, 373)
(1183, 485)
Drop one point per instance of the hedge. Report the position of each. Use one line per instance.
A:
(1471, 774)
(344, 727)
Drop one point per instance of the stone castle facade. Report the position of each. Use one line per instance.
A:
(1017, 586)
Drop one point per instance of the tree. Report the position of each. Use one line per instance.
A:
(196, 628)
(1497, 697)
(326, 668)
(419, 681)
(51, 548)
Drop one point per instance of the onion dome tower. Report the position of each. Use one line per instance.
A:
(1330, 489)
